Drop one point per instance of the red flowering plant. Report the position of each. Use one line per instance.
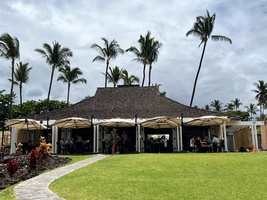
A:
(12, 166)
(33, 159)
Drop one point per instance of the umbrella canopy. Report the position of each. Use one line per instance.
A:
(117, 122)
(162, 122)
(208, 121)
(72, 122)
(26, 124)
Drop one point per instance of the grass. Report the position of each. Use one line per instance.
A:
(8, 192)
(168, 176)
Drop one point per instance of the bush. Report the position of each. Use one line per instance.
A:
(12, 166)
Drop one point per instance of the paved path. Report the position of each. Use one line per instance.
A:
(37, 188)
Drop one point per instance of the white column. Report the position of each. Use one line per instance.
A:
(181, 138)
(14, 139)
(252, 135)
(256, 136)
(225, 138)
(54, 138)
(95, 141)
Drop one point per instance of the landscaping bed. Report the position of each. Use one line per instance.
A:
(23, 172)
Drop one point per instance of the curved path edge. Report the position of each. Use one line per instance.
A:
(37, 187)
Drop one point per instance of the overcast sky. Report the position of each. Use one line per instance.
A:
(228, 70)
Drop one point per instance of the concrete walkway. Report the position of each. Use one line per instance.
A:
(37, 188)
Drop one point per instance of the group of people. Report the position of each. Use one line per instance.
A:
(70, 146)
(114, 143)
(205, 145)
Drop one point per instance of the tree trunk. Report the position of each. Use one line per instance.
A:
(106, 74)
(49, 89)
(20, 95)
(68, 95)
(144, 74)
(149, 75)
(199, 67)
(11, 89)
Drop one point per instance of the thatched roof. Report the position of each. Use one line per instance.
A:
(126, 102)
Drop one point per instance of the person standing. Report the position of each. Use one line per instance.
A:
(115, 140)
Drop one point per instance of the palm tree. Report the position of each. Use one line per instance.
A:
(21, 76)
(236, 103)
(217, 105)
(202, 29)
(229, 106)
(207, 107)
(128, 80)
(252, 109)
(106, 53)
(70, 76)
(9, 49)
(153, 57)
(55, 56)
(114, 75)
(143, 54)
(261, 94)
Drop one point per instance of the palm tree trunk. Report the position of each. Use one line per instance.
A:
(68, 95)
(199, 67)
(11, 89)
(49, 89)
(144, 74)
(20, 95)
(106, 74)
(149, 75)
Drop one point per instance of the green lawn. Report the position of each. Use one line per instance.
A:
(169, 176)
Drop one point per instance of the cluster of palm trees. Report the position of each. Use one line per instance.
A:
(146, 54)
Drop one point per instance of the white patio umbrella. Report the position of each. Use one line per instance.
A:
(162, 122)
(26, 124)
(208, 121)
(117, 122)
(72, 122)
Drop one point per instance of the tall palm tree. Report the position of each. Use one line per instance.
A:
(236, 103)
(153, 57)
(143, 53)
(217, 105)
(252, 109)
(261, 94)
(129, 80)
(9, 49)
(114, 75)
(106, 53)
(70, 76)
(202, 29)
(56, 56)
(21, 76)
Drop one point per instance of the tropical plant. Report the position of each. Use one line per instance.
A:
(114, 75)
(70, 76)
(56, 56)
(207, 107)
(236, 103)
(202, 29)
(252, 109)
(106, 53)
(21, 76)
(153, 56)
(229, 106)
(9, 49)
(144, 52)
(217, 105)
(261, 94)
(128, 79)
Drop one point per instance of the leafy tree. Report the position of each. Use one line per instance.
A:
(207, 107)
(21, 76)
(5, 104)
(56, 56)
(70, 76)
(128, 79)
(202, 29)
(252, 109)
(144, 52)
(9, 49)
(106, 53)
(242, 114)
(236, 103)
(114, 75)
(153, 56)
(261, 94)
(217, 105)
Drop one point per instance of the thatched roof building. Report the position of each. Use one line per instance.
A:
(126, 102)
